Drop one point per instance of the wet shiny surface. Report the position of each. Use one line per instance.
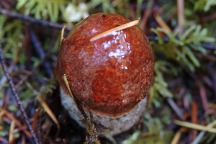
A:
(109, 75)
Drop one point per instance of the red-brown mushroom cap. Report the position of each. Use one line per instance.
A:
(109, 75)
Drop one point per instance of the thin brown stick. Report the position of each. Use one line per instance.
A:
(194, 117)
(145, 17)
(146, 14)
(203, 96)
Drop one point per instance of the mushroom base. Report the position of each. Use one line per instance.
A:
(105, 124)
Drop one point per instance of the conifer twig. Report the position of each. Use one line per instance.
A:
(17, 99)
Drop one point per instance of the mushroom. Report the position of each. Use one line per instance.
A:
(109, 72)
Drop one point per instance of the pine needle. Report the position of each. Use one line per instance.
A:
(162, 23)
(67, 84)
(121, 27)
(11, 132)
(195, 126)
(48, 110)
(177, 137)
(62, 34)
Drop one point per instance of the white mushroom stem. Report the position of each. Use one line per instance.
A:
(105, 124)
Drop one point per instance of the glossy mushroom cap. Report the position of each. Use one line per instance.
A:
(109, 75)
